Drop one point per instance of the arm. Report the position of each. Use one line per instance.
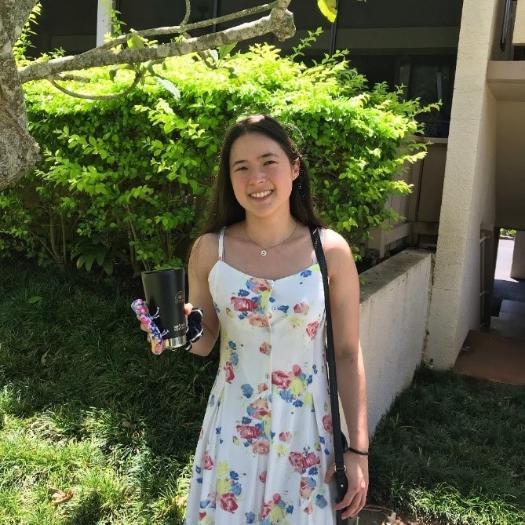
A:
(351, 382)
(202, 258)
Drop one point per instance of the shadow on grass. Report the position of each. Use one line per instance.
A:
(71, 348)
(89, 511)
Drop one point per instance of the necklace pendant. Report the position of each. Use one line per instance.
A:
(264, 253)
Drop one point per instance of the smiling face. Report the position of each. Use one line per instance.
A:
(261, 174)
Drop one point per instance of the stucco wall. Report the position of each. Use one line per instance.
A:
(510, 189)
(468, 195)
(394, 308)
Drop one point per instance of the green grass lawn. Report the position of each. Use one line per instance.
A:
(453, 449)
(86, 410)
(96, 430)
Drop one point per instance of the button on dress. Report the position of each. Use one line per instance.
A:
(266, 439)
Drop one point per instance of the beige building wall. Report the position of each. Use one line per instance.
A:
(468, 195)
(510, 190)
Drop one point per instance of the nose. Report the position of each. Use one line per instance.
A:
(257, 176)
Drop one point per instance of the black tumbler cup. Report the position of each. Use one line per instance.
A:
(164, 289)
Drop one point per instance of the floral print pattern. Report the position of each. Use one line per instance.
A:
(266, 439)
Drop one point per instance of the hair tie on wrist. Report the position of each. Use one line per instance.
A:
(355, 451)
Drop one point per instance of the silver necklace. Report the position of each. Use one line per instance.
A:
(264, 251)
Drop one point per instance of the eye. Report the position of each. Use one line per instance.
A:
(269, 162)
(241, 168)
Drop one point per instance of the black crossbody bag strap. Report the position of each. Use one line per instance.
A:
(340, 469)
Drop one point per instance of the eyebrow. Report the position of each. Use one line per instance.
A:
(265, 155)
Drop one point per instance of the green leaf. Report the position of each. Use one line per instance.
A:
(34, 299)
(168, 86)
(108, 266)
(224, 51)
(136, 41)
(327, 8)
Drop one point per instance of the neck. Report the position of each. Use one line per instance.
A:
(270, 230)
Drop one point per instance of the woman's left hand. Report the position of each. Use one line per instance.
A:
(357, 475)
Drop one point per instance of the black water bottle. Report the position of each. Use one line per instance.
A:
(165, 293)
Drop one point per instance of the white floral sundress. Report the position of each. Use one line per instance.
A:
(266, 439)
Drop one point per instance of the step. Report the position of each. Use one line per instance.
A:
(507, 328)
(513, 307)
(511, 317)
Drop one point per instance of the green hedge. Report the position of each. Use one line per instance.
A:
(125, 181)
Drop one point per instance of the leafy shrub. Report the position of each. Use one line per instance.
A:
(126, 180)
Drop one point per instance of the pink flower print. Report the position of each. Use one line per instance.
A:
(248, 431)
(262, 476)
(311, 459)
(230, 376)
(228, 502)
(261, 447)
(242, 304)
(301, 308)
(296, 369)
(285, 436)
(327, 423)
(311, 328)
(257, 285)
(276, 498)
(267, 508)
(259, 320)
(307, 486)
(265, 348)
(296, 460)
(208, 462)
(280, 378)
(258, 409)
(309, 509)
(302, 461)
(202, 515)
(261, 387)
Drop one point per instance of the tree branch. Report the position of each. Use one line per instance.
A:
(187, 14)
(175, 30)
(130, 88)
(279, 22)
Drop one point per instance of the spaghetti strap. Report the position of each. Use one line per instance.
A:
(221, 243)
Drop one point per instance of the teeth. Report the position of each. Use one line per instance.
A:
(261, 194)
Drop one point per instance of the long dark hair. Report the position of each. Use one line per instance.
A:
(224, 209)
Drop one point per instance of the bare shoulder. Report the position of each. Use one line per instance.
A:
(334, 243)
(204, 253)
(338, 252)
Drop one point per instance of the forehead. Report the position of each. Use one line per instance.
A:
(252, 145)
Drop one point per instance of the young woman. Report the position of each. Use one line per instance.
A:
(265, 451)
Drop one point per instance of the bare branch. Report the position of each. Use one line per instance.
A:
(130, 88)
(281, 24)
(187, 14)
(175, 30)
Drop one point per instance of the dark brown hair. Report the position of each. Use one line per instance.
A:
(224, 208)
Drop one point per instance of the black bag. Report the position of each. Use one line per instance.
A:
(341, 443)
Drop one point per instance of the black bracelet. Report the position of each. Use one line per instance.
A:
(355, 451)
